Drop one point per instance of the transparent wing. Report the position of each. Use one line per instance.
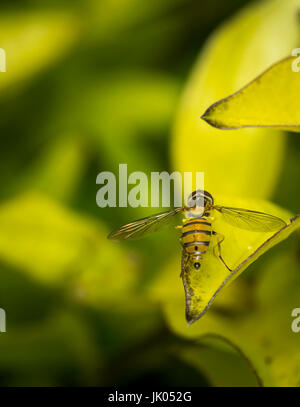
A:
(251, 220)
(144, 226)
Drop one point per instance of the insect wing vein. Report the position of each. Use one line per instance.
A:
(144, 226)
(250, 220)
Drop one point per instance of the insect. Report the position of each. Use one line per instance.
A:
(197, 232)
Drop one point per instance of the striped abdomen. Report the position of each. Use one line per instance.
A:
(196, 235)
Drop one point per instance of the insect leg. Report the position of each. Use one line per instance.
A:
(217, 248)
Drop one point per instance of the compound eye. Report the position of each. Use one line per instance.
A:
(196, 265)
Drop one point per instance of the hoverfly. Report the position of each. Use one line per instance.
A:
(197, 231)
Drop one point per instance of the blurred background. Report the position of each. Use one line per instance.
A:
(91, 84)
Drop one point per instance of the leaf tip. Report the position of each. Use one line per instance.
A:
(208, 117)
(191, 318)
(205, 116)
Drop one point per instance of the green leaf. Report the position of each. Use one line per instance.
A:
(225, 65)
(138, 105)
(32, 41)
(59, 168)
(56, 246)
(223, 366)
(270, 100)
(114, 17)
(58, 350)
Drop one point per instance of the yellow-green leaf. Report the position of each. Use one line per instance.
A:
(268, 244)
(224, 66)
(239, 249)
(263, 333)
(270, 100)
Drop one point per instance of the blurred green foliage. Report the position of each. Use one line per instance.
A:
(90, 85)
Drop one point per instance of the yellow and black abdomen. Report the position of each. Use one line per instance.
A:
(196, 235)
